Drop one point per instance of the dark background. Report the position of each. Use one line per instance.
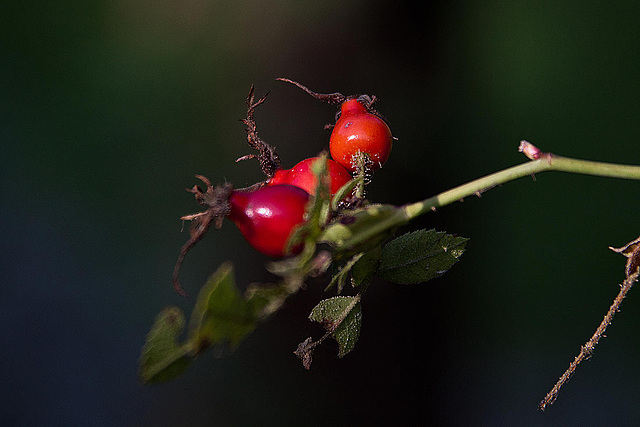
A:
(107, 109)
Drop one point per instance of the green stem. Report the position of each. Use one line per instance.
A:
(376, 223)
(548, 162)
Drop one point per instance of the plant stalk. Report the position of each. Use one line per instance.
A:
(541, 162)
(547, 162)
(587, 350)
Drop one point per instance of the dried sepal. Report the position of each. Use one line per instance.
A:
(216, 200)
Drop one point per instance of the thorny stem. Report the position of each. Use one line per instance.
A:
(542, 163)
(362, 162)
(632, 270)
(587, 350)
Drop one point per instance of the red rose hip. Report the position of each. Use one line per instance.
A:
(267, 216)
(359, 131)
(302, 176)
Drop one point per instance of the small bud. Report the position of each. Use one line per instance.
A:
(529, 150)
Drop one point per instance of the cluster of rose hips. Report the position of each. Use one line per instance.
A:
(266, 213)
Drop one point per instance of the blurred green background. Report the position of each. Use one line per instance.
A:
(108, 109)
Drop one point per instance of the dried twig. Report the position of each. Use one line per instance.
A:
(632, 252)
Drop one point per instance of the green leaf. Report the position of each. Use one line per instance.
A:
(342, 317)
(163, 357)
(420, 256)
(366, 267)
(362, 267)
(341, 273)
(223, 273)
(345, 190)
(361, 230)
(267, 299)
(221, 315)
(317, 210)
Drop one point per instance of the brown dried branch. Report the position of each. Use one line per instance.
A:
(330, 98)
(267, 154)
(632, 252)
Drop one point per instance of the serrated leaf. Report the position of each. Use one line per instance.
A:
(163, 357)
(420, 256)
(348, 332)
(222, 317)
(342, 316)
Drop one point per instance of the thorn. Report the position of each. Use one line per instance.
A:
(247, 157)
(191, 217)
